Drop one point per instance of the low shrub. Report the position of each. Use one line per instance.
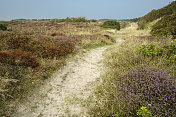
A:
(19, 42)
(3, 27)
(149, 87)
(61, 48)
(167, 51)
(111, 24)
(93, 20)
(18, 57)
(49, 48)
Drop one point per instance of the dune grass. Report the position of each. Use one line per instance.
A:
(120, 60)
(31, 51)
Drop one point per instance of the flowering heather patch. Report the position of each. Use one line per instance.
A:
(61, 48)
(149, 87)
(19, 41)
(18, 57)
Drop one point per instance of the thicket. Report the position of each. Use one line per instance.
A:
(155, 14)
(111, 24)
(165, 27)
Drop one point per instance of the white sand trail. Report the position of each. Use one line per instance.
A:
(63, 95)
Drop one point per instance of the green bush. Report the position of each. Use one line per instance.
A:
(93, 20)
(3, 27)
(165, 27)
(111, 24)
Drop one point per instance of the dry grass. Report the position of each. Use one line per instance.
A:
(120, 60)
(44, 45)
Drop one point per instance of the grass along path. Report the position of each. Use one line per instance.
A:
(65, 92)
(118, 59)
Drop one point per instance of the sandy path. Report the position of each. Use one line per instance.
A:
(65, 93)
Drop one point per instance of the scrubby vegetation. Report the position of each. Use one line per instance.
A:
(139, 78)
(69, 19)
(3, 27)
(162, 23)
(124, 24)
(165, 27)
(111, 24)
(130, 20)
(167, 51)
(33, 50)
(155, 14)
(18, 58)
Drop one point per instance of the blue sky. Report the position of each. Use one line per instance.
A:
(91, 9)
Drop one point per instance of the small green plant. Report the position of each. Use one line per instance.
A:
(144, 112)
(115, 115)
(111, 24)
